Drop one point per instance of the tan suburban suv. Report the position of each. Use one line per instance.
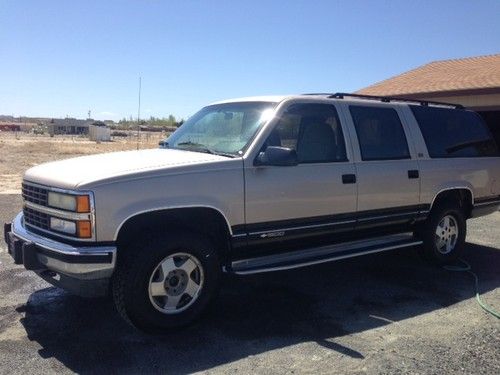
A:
(256, 185)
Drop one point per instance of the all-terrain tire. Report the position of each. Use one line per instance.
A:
(443, 233)
(136, 266)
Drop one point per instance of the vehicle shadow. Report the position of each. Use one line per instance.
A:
(258, 313)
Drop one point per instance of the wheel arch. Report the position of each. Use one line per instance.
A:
(462, 194)
(205, 220)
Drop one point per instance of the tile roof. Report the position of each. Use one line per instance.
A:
(472, 73)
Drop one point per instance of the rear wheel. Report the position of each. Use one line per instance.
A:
(444, 233)
(166, 283)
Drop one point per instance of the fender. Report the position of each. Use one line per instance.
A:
(456, 187)
(168, 208)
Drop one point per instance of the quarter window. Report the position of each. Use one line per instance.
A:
(313, 130)
(452, 133)
(380, 133)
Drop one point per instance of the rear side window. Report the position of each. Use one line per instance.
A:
(380, 133)
(452, 133)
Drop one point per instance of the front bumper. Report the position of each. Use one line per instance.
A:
(84, 270)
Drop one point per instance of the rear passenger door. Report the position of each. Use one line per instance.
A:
(387, 171)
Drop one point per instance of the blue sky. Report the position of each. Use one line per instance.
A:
(63, 58)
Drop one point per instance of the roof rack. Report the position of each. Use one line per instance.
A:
(388, 99)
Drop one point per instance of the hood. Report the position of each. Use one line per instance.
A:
(85, 170)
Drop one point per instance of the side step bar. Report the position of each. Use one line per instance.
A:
(308, 257)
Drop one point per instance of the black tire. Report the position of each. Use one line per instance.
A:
(135, 267)
(430, 249)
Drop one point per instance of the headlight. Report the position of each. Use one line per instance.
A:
(75, 203)
(80, 228)
(64, 226)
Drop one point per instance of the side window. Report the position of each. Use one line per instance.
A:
(313, 130)
(380, 133)
(452, 133)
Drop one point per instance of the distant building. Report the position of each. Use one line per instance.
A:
(68, 126)
(473, 82)
(99, 132)
(16, 126)
(10, 127)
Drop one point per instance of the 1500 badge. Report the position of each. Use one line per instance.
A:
(272, 234)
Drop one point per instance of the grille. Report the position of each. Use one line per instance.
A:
(35, 194)
(36, 218)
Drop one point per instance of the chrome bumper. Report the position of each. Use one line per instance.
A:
(79, 262)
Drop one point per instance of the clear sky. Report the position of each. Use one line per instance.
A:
(63, 58)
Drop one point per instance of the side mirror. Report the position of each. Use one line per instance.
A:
(277, 156)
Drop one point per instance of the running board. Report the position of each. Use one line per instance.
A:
(308, 257)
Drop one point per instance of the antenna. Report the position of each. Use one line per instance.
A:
(139, 114)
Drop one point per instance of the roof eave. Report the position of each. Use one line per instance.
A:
(434, 94)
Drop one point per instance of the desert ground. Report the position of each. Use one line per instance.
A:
(20, 151)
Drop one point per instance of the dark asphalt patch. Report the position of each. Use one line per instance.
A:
(384, 313)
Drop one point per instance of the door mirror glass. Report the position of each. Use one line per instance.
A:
(278, 156)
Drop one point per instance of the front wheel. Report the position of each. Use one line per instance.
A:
(167, 282)
(444, 234)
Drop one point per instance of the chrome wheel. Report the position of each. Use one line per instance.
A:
(175, 283)
(446, 235)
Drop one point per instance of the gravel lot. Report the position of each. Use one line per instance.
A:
(385, 313)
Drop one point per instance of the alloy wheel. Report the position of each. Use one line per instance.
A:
(446, 234)
(176, 283)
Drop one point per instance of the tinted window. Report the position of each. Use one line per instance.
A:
(380, 133)
(454, 133)
(313, 130)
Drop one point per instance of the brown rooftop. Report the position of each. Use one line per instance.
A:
(474, 74)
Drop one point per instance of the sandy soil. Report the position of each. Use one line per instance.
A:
(18, 152)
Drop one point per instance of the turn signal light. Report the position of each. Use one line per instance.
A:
(82, 203)
(84, 229)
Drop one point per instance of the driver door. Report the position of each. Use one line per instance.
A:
(311, 200)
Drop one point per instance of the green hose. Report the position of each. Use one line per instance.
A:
(467, 268)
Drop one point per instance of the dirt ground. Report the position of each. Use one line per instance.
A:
(20, 151)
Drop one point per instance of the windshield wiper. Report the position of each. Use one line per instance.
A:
(193, 146)
(221, 153)
(199, 147)
(191, 143)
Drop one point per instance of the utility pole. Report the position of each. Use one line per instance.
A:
(139, 114)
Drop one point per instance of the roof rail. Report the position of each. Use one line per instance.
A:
(320, 94)
(388, 99)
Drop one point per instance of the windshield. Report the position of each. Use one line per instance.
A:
(221, 128)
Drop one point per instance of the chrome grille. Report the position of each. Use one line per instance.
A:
(36, 218)
(37, 213)
(35, 194)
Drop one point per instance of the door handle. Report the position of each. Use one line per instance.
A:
(413, 174)
(348, 178)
